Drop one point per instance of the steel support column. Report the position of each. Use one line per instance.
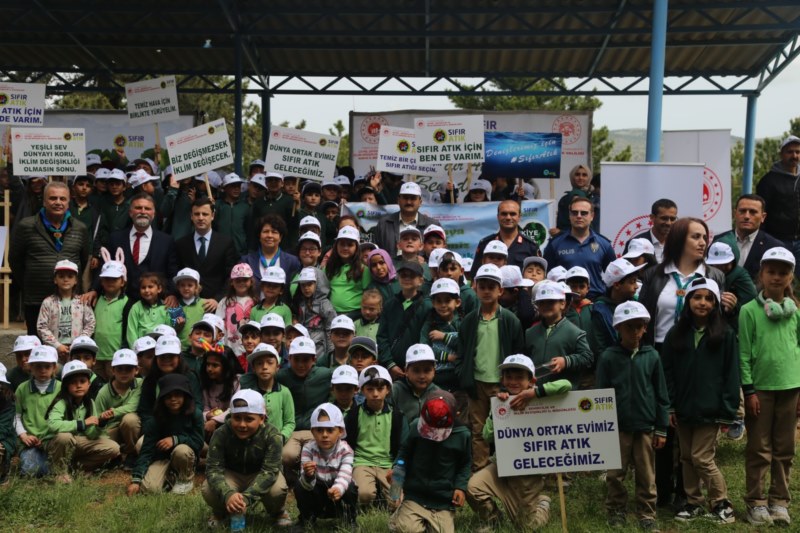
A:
(237, 105)
(749, 144)
(656, 91)
(266, 119)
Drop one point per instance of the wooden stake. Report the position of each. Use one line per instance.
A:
(208, 187)
(450, 178)
(552, 189)
(5, 271)
(469, 177)
(562, 502)
(157, 154)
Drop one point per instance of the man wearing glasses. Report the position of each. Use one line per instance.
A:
(581, 246)
(519, 246)
(663, 213)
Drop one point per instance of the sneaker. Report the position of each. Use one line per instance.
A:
(617, 518)
(722, 513)
(689, 513)
(736, 430)
(648, 524)
(214, 522)
(780, 515)
(759, 515)
(182, 487)
(283, 519)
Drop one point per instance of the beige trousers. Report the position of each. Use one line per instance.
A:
(66, 448)
(180, 462)
(412, 517)
(368, 479)
(520, 496)
(635, 448)
(478, 413)
(698, 449)
(127, 433)
(274, 500)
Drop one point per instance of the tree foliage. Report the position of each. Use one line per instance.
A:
(602, 146)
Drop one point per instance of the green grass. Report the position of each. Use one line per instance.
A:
(99, 504)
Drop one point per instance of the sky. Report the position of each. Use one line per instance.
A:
(776, 106)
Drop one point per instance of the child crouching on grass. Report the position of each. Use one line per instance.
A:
(634, 372)
(521, 496)
(326, 488)
(173, 438)
(244, 463)
(8, 438)
(438, 459)
(117, 402)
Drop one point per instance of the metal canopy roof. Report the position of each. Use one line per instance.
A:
(411, 47)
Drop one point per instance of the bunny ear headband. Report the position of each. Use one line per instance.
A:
(118, 258)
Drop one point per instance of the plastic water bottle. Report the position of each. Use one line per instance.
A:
(237, 522)
(398, 478)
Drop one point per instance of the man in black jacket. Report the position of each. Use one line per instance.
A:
(387, 230)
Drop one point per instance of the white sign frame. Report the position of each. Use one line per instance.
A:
(152, 101)
(293, 152)
(28, 98)
(449, 139)
(393, 157)
(49, 151)
(197, 150)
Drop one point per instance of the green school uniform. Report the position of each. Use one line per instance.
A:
(32, 405)
(122, 404)
(109, 327)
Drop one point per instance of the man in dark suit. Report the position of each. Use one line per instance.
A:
(146, 250)
(211, 253)
(663, 213)
(387, 230)
(747, 240)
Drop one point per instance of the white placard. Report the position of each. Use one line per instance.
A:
(573, 432)
(200, 149)
(301, 153)
(449, 139)
(629, 190)
(22, 104)
(713, 149)
(152, 101)
(397, 152)
(3, 238)
(49, 151)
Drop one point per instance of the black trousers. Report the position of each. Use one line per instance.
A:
(31, 316)
(314, 504)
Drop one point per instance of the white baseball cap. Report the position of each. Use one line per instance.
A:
(310, 236)
(143, 344)
(125, 357)
(93, 159)
(779, 253)
(577, 272)
(259, 179)
(466, 263)
(344, 375)
(252, 400)
(66, 264)
(274, 274)
(373, 373)
(343, 322)
(703, 283)
(617, 270)
(419, 352)
(629, 310)
(23, 343)
(481, 185)
(639, 247)
(83, 342)
(140, 177)
(303, 346)
(410, 229)
(410, 188)
(3, 371)
(349, 232)
(187, 273)
(435, 257)
(512, 277)
(117, 174)
(489, 271)
(330, 183)
(720, 253)
(43, 354)
(272, 320)
(102, 174)
(549, 290)
(433, 229)
(496, 247)
(445, 286)
(214, 179)
(230, 179)
(212, 321)
(261, 350)
(251, 324)
(73, 368)
(310, 221)
(789, 140)
(257, 163)
(518, 361)
(557, 273)
(307, 275)
(300, 328)
(113, 269)
(335, 418)
(163, 329)
(168, 345)
(343, 181)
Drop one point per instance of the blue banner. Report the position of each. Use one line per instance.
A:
(522, 155)
(464, 224)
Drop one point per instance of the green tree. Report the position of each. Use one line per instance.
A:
(338, 130)
(602, 146)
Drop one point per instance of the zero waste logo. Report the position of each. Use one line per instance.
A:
(67, 136)
(585, 405)
(3, 98)
(439, 136)
(403, 146)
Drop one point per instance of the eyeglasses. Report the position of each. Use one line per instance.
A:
(308, 249)
(579, 213)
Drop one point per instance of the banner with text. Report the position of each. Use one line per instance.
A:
(449, 139)
(573, 432)
(22, 104)
(522, 154)
(575, 128)
(48, 151)
(397, 153)
(151, 101)
(301, 153)
(629, 190)
(198, 150)
(464, 224)
(713, 149)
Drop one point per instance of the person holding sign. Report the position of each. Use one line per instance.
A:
(521, 496)
(634, 371)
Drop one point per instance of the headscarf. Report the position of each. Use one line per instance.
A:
(389, 263)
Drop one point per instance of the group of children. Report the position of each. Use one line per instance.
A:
(369, 358)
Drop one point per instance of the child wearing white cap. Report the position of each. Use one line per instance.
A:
(111, 311)
(8, 437)
(62, 316)
(262, 378)
(326, 488)
(455, 267)
(579, 310)
(344, 386)
(769, 355)
(521, 496)
(244, 464)
(621, 281)
(408, 394)
(271, 287)
(309, 250)
(117, 402)
(84, 349)
(346, 272)
(78, 431)
(231, 214)
(313, 310)
(440, 331)
(187, 284)
(150, 310)
(701, 363)
(22, 351)
(738, 288)
(342, 331)
(634, 371)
